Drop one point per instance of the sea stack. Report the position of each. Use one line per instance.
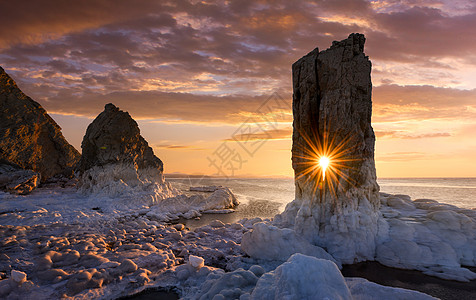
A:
(116, 159)
(29, 138)
(332, 110)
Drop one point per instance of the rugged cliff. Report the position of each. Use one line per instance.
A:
(29, 137)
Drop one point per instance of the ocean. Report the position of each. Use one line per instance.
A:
(265, 197)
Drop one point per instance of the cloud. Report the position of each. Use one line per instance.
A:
(394, 102)
(215, 61)
(406, 135)
(271, 134)
(35, 21)
(178, 147)
(170, 107)
(404, 156)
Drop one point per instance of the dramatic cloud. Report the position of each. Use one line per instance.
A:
(220, 48)
(393, 102)
(171, 107)
(188, 61)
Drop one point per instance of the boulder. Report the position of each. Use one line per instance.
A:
(29, 137)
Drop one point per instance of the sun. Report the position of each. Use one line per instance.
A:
(324, 162)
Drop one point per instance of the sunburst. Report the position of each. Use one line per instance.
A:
(325, 161)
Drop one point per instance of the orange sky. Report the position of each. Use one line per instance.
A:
(195, 73)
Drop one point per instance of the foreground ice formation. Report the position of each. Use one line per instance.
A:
(300, 277)
(428, 236)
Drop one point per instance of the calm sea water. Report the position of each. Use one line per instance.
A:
(265, 197)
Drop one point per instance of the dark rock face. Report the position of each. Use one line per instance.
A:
(29, 137)
(114, 137)
(332, 110)
(117, 160)
(332, 104)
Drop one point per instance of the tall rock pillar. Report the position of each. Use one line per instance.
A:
(332, 110)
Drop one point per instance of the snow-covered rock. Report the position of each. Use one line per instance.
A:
(117, 161)
(302, 277)
(232, 285)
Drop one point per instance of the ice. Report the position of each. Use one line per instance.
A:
(95, 246)
(302, 277)
(208, 189)
(196, 262)
(18, 276)
(272, 243)
(362, 289)
(428, 236)
(124, 180)
(348, 233)
(193, 206)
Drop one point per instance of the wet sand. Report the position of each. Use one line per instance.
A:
(413, 280)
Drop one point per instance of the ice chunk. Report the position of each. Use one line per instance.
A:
(18, 276)
(302, 277)
(428, 236)
(196, 262)
(228, 286)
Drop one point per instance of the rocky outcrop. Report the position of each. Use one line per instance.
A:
(29, 137)
(16, 180)
(332, 112)
(114, 137)
(116, 159)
